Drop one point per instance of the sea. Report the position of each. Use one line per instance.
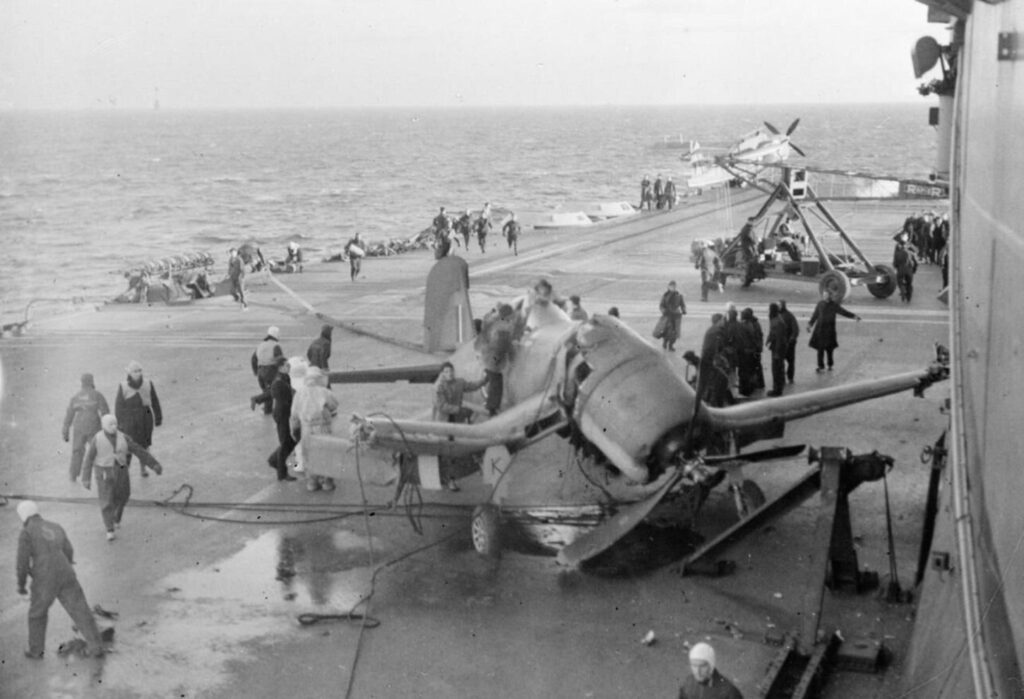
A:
(87, 195)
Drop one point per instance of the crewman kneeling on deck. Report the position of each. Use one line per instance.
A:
(704, 680)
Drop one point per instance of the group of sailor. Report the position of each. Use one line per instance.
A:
(660, 195)
(449, 233)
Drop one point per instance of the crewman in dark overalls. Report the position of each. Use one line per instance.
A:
(83, 415)
(45, 553)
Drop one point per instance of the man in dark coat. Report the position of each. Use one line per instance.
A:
(137, 409)
(659, 200)
(264, 367)
(483, 227)
(778, 343)
(793, 330)
(751, 373)
(905, 262)
(281, 391)
(319, 351)
(673, 308)
(822, 327)
(670, 194)
(83, 414)
(713, 379)
(512, 230)
(45, 553)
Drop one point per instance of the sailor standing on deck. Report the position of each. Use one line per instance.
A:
(137, 409)
(109, 452)
(355, 250)
(45, 554)
(83, 414)
(236, 273)
(670, 194)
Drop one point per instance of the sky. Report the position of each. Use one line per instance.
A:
(189, 54)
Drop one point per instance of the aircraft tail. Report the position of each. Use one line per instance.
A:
(447, 316)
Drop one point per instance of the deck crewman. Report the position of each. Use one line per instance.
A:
(264, 367)
(46, 554)
(82, 421)
(137, 409)
(108, 453)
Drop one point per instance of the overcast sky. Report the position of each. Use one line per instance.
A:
(336, 53)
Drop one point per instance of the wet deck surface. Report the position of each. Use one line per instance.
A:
(208, 598)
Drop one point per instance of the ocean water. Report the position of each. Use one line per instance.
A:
(85, 195)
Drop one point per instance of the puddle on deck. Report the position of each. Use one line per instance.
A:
(225, 612)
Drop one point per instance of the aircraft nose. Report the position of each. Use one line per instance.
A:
(626, 410)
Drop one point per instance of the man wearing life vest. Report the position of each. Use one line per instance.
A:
(107, 453)
(264, 367)
(137, 409)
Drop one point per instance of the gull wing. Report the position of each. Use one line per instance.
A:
(768, 417)
(516, 427)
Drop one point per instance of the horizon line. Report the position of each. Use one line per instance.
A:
(453, 107)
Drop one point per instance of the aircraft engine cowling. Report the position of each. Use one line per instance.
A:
(631, 398)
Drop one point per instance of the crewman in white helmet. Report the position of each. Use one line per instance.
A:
(704, 680)
(45, 554)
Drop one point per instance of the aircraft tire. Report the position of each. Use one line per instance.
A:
(884, 289)
(485, 532)
(835, 282)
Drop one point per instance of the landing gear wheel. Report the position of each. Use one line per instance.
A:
(883, 290)
(485, 531)
(836, 283)
(749, 498)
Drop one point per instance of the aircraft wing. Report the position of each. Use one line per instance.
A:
(768, 417)
(514, 428)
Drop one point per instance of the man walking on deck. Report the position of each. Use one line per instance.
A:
(137, 409)
(109, 451)
(83, 415)
(46, 554)
(282, 393)
(264, 367)
(236, 273)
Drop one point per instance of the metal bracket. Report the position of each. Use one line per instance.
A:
(1009, 47)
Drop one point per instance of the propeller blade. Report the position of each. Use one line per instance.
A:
(797, 149)
(792, 127)
(604, 535)
(772, 128)
(755, 456)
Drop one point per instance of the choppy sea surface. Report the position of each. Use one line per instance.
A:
(85, 195)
